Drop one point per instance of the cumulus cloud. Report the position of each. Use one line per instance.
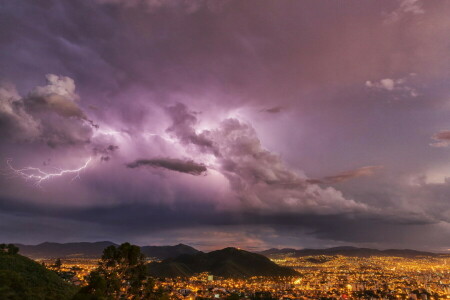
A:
(48, 114)
(15, 122)
(394, 85)
(258, 177)
(58, 96)
(172, 164)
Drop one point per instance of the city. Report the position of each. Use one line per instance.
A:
(321, 277)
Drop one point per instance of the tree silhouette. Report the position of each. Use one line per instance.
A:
(121, 274)
(58, 263)
(9, 249)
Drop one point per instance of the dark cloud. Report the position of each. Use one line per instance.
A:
(105, 151)
(172, 164)
(348, 175)
(442, 139)
(183, 126)
(273, 110)
(442, 136)
(183, 6)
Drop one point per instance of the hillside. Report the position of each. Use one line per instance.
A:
(24, 279)
(228, 262)
(347, 251)
(95, 250)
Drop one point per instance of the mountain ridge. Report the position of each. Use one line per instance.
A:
(347, 251)
(49, 250)
(228, 262)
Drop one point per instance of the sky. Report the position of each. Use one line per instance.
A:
(257, 124)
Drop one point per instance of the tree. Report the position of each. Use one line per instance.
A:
(95, 290)
(121, 274)
(124, 269)
(11, 249)
(233, 296)
(58, 263)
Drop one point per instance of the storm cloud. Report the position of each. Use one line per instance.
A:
(47, 114)
(260, 178)
(258, 121)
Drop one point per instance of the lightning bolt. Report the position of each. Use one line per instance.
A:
(38, 176)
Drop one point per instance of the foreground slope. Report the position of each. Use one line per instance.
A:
(228, 262)
(24, 279)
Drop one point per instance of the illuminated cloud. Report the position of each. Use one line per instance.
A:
(260, 179)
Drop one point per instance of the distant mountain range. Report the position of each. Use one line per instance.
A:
(347, 251)
(228, 262)
(95, 250)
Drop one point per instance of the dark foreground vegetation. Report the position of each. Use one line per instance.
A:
(22, 278)
(123, 273)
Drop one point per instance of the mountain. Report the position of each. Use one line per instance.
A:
(23, 278)
(95, 250)
(164, 252)
(65, 250)
(347, 251)
(228, 262)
